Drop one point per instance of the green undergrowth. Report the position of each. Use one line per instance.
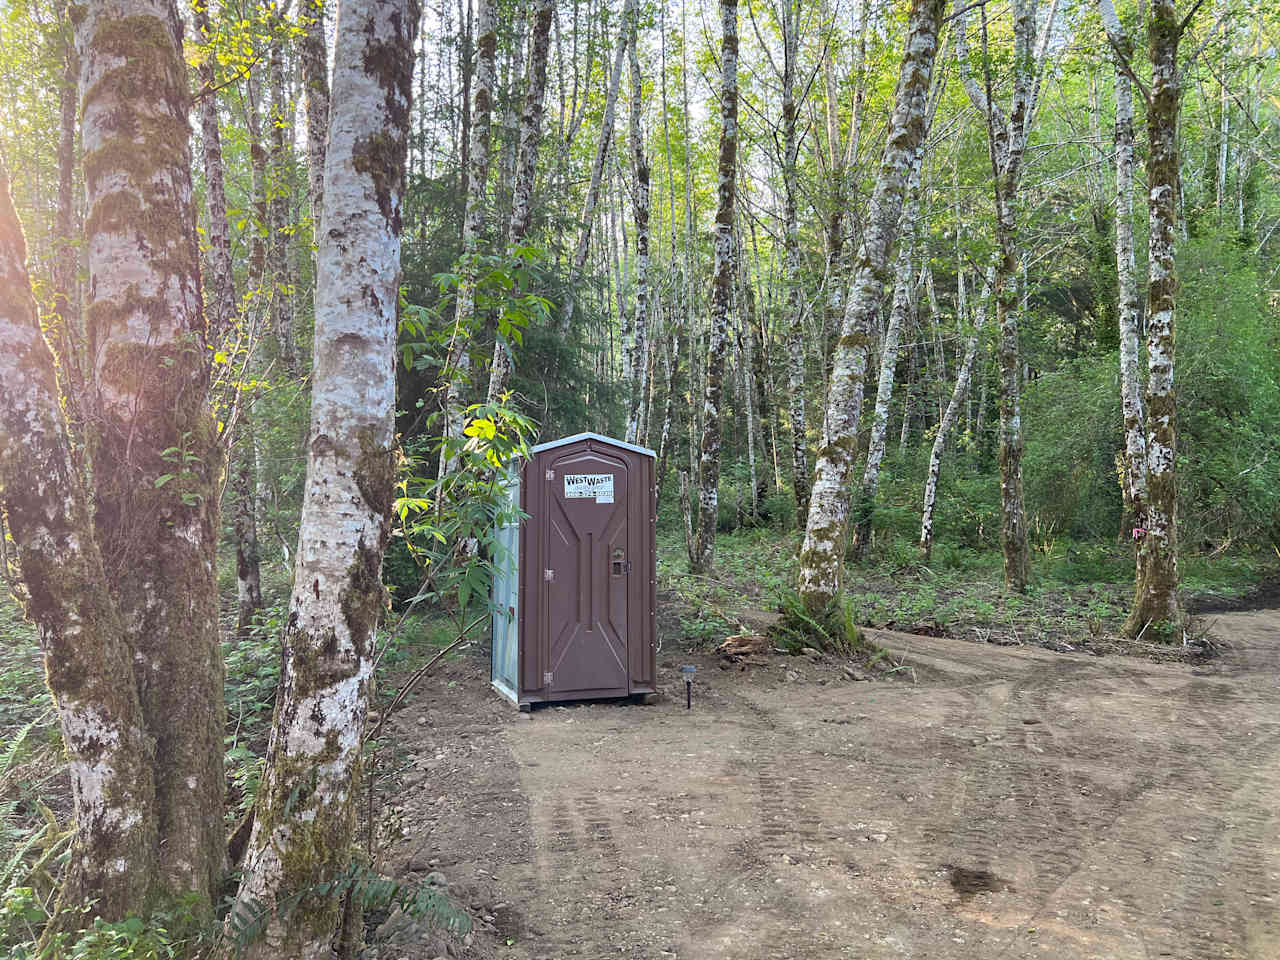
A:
(1080, 593)
(35, 804)
(834, 630)
(23, 694)
(164, 935)
(752, 568)
(423, 633)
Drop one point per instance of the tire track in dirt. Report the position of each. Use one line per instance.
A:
(1124, 809)
(1026, 800)
(1237, 756)
(580, 875)
(624, 885)
(1191, 770)
(803, 843)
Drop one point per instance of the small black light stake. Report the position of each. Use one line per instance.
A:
(688, 672)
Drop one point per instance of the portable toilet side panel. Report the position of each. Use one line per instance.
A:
(506, 597)
(588, 563)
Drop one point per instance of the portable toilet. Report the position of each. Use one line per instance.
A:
(575, 586)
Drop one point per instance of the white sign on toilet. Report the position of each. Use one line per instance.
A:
(589, 486)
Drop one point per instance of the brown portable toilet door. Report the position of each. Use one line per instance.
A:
(586, 572)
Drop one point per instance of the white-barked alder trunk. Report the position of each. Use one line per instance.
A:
(306, 810)
(1007, 143)
(826, 525)
(157, 455)
(792, 262)
(963, 379)
(725, 273)
(899, 314)
(1155, 604)
(87, 658)
(1135, 440)
(641, 197)
(221, 315)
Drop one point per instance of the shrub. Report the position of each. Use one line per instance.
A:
(834, 629)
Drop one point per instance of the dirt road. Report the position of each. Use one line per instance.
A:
(1010, 803)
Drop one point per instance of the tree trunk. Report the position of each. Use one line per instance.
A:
(1135, 441)
(841, 156)
(458, 367)
(792, 262)
(509, 126)
(686, 511)
(820, 556)
(671, 365)
(1155, 602)
(278, 233)
(157, 456)
(1220, 179)
(597, 166)
(466, 70)
(313, 52)
(925, 280)
(888, 363)
(726, 271)
(535, 97)
(640, 203)
(910, 388)
(306, 811)
(650, 362)
(222, 273)
(257, 183)
(245, 524)
(221, 319)
(688, 315)
(980, 426)
(949, 419)
(69, 598)
(1007, 144)
(67, 340)
(747, 369)
(613, 305)
(1013, 531)
(763, 390)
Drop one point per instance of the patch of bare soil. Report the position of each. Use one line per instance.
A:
(1010, 802)
(1264, 596)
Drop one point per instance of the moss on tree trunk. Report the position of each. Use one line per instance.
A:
(827, 523)
(1156, 611)
(287, 904)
